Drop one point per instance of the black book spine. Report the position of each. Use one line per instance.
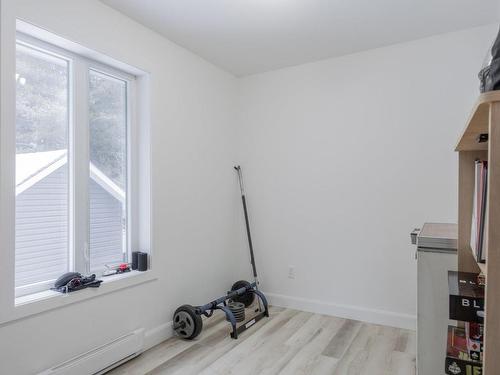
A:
(467, 309)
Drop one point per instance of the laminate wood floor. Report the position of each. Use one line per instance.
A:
(289, 342)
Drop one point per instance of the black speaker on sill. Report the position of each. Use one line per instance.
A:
(142, 261)
(135, 259)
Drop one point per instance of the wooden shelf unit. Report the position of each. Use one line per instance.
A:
(485, 119)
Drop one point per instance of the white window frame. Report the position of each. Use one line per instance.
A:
(130, 90)
(142, 221)
(79, 160)
(23, 41)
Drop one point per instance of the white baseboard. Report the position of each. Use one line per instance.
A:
(382, 317)
(157, 335)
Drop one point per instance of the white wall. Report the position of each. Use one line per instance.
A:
(196, 216)
(344, 157)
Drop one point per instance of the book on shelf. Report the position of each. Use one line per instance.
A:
(458, 358)
(474, 334)
(479, 226)
(466, 297)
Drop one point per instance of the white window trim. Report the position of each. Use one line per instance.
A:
(78, 156)
(37, 303)
(28, 289)
(46, 300)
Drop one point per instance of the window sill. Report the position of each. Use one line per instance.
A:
(47, 300)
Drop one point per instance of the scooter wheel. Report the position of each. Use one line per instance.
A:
(246, 298)
(187, 324)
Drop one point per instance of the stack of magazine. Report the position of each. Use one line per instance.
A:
(465, 349)
(479, 227)
(464, 353)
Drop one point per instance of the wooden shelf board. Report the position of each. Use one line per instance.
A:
(478, 123)
(482, 266)
(485, 118)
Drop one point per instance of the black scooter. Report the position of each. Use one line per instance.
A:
(187, 322)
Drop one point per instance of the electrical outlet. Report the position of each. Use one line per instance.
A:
(291, 272)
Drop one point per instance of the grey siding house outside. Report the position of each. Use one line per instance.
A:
(106, 227)
(42, 221)
(42, 230)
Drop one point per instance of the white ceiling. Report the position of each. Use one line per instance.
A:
(252, 36)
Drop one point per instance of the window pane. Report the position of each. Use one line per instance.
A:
(42, 183)
(108, 170)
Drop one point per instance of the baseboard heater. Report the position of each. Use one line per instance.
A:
(104, 358)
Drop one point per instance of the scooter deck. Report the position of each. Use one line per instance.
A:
(249, 323)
